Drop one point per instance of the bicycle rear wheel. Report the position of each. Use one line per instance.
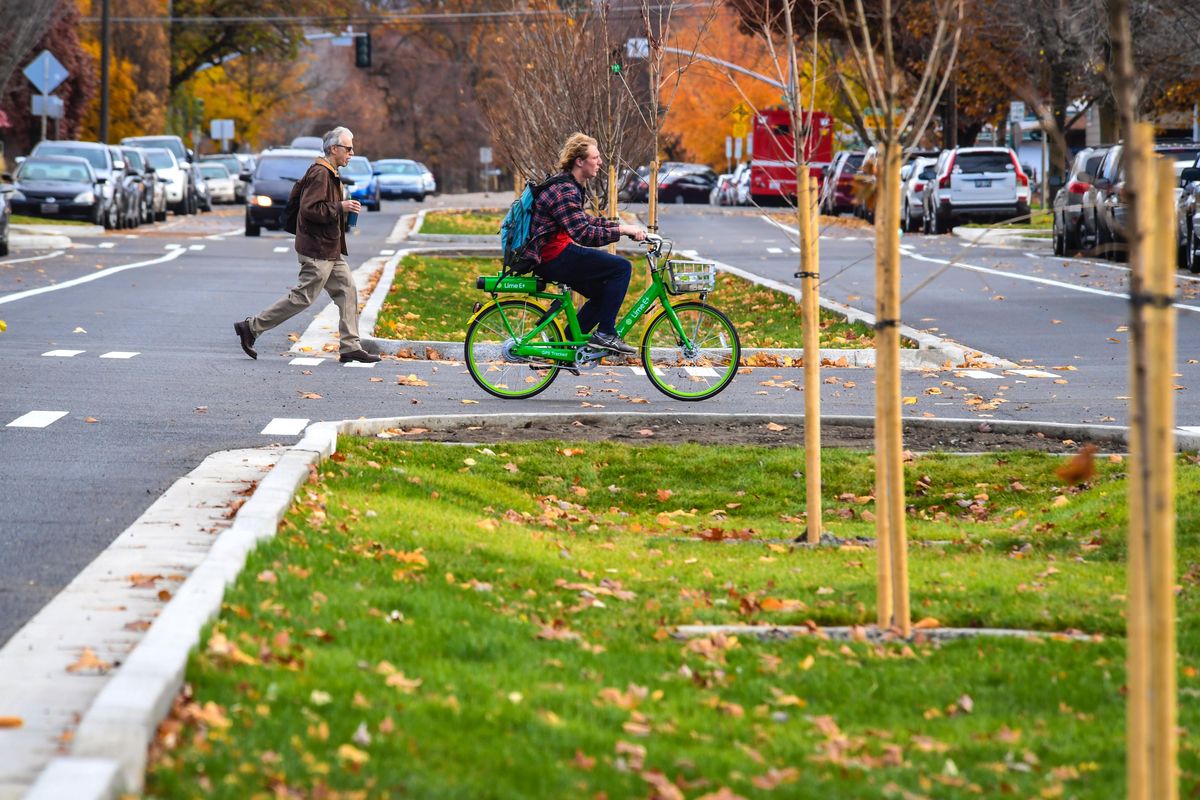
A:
(698, 364)
(489, 344)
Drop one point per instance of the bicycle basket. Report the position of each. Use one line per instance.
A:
(691, 276)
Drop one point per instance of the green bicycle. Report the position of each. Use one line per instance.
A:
(516, 347)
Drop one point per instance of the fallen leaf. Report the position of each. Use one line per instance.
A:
(310, 396)
(90, 419)
(469, 402)
(776, 427)
(926, 623)
(352, 755)
(89, 661)
(410, 380)
(11, 722)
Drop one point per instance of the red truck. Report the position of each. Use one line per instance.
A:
(773, 156)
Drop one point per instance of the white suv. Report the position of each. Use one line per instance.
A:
(975, 183)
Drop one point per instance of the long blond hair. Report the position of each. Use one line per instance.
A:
(576, 147)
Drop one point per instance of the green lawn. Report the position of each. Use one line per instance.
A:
(474, 223)
(431, 298)
(467, 622)
(1040, 221)
(21, 219)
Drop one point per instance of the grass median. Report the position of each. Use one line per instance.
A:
(431, 298)
(453, 621)
(462, 223)
(22, 219)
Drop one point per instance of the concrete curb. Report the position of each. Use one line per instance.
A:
(59, 230)
(37, 241)
(415, 234)
(110, 749)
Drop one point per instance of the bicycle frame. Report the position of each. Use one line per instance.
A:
(561, 303)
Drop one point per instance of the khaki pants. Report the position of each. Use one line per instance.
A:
(332, 275)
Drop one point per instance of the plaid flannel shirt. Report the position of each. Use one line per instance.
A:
(560, 207)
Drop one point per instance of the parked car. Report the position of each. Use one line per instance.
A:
(237, 169)
(61, 187)
(686, 186)
(837, 193)
(741, 190)
(974, 183)
(190, 200)
(1068, 201)
(6, 190)
(221, 186)
(106, 163)
(1187, 217)
(1099, 214)
(401, 177)
(912, 191)
(173, 177)
(307, 143)
(1183, 154)
(277, 171)
(365, 188)
(632, 187)
(143, 182)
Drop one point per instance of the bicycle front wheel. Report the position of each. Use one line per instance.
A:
(490, 343)
(696, 361)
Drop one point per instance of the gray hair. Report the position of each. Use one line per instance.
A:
(334, 137)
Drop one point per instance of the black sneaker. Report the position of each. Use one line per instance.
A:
(361, 356)
(242, 329)
(610, 341)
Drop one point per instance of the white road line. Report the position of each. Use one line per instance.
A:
(360, 365)
(8, 298)
(1033, 255)
(774, 250)
(280, 250)
(1031, 373)
(978, 374)
(36, 419)
(701, 372)
(174, 247)
(387, 252)
(63, 353)
(221, 236)
(794, 249)
(1193, 429)
(106, 245)
(131, 236)
(196, 247)
(906, 250)
(55, 254)
(638, 371)
(305, 361)
(285, 426)
(120, 354)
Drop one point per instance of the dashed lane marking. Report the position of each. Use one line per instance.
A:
(196, 247)
(1032, 373)
(174, 247)
(774, 250)
(120, 354)
(979, 374)
(63, 353)
(106, 245)
(305, 361)
(280, 250)
(285, 426)
(37, 419)
(795, 249)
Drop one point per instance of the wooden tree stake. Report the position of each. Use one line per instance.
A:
(810, 314)
(652, 197)
(612, 200)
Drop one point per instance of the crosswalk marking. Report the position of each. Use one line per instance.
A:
(37, 419)
(120, 354)
(774, 249)
(359, 364)
(307, 362)
(1032, 373)
(280, 250)
(701, 372)
(980, 374)
(63, 353)
(285, 426)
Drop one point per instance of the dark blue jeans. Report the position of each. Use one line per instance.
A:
(598, 275)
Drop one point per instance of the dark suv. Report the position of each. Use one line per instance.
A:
(276, 174)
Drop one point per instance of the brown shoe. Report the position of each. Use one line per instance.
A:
(361, 356)
(242, 329)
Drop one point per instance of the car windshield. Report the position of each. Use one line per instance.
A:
(160, 159)
(285, 168)
(94, 155)
(214, 171)
(853, 162)
(36, 170)
(166, 143)
(987, 161)
(357, 166)
(398, 169)
(134, 159)
(229, 162)
(927, 172)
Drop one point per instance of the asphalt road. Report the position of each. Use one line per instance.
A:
(120, 428)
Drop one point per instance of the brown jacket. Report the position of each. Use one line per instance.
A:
(321, 225)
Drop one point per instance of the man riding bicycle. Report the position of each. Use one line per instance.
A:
(560, 226)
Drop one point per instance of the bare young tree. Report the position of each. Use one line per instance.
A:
(22, 25)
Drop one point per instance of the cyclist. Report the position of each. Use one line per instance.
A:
(558, 229)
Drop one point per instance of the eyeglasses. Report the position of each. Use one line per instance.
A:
(347, 148)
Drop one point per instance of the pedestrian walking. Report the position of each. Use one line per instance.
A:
(321, 248)
(560, 226)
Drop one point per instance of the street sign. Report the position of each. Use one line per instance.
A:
(485, 155)
(740, 129)
(492, 171)
(740, 114)
(45, 105)
(1016, 111)
(46, 72)
(728, 147)
(637, 48)
(221, 129)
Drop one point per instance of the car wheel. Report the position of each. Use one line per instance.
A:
(110, 219)
(252, 229)
(1059, 244)
(161, 216)
(420, 198)
(679, 199)
(906, 218)
(1193, 260)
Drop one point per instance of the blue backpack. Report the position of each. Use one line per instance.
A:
(515, 230)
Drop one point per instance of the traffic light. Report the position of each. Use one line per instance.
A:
(362, 51)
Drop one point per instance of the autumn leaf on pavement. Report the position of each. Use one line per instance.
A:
(410, 380)
(11, 722)
(310, 396)
(88, 661)
(1081, 468)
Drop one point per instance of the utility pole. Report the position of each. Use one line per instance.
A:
(105, 54)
